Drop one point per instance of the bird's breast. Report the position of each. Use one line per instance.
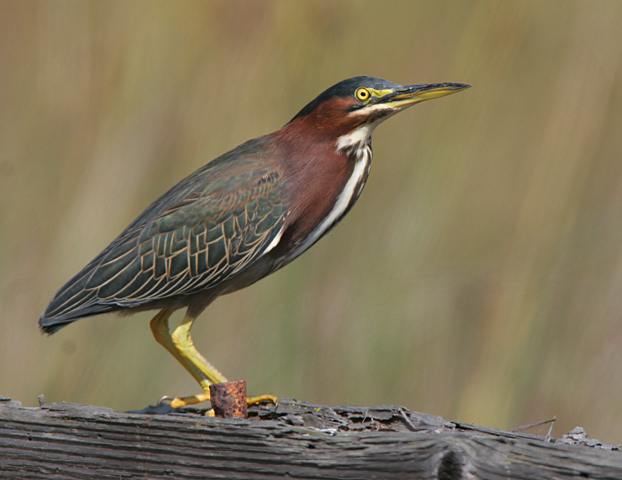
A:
(319, 211)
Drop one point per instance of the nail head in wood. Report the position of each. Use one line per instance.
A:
(229, 399)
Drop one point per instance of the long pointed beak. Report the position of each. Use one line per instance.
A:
(409, 95)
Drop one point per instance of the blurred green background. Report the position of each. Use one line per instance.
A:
(479, 277)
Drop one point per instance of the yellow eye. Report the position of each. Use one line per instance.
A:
(362, 94)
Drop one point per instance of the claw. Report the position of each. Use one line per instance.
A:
(165, 398)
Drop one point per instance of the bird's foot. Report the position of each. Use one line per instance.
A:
(262, 398)
(178, 402)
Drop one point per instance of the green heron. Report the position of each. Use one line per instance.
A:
(239, 218)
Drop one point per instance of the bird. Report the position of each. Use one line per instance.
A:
(237, 219)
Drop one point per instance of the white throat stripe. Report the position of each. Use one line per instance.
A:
(359, 136)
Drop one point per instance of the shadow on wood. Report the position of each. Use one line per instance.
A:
(290, 440)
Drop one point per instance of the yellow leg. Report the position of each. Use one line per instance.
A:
(181, 346)
(183, 343)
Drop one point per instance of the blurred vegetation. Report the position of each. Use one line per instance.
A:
(479, 277)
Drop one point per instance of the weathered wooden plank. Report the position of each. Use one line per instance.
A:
(67, 441)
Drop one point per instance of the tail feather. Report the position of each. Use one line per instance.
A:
(73, 302)
(50, 324)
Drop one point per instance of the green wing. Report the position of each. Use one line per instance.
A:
(201, 232)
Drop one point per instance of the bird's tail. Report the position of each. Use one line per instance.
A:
(73, 302)
(51, 325)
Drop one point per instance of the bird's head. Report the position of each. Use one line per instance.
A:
(349, 111)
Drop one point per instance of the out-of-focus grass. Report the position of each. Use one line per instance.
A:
(480, 275)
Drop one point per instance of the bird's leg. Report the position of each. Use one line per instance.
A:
(160, 328)
(181, 346)
(185, 346)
